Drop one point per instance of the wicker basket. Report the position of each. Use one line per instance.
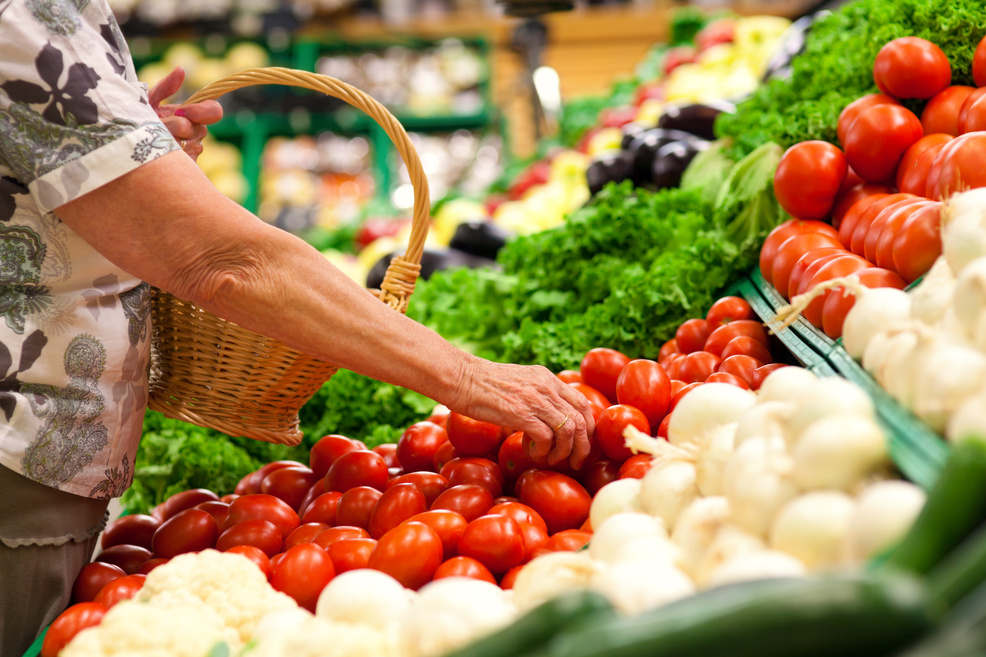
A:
(213, 373)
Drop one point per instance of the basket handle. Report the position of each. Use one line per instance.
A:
(402, 273)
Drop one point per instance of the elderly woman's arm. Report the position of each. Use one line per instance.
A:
(166, 224)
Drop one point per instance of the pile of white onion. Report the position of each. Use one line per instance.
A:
(788, 481)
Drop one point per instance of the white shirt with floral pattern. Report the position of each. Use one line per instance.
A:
(74, 328)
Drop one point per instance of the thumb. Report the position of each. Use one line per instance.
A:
(167, 87)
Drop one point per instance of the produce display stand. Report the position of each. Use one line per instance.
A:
(916, 450)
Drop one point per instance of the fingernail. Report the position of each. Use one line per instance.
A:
(179, 112)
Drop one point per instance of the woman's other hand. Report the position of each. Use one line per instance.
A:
(186, 124)
(555, 415)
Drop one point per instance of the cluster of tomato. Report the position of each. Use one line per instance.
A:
(883, 193)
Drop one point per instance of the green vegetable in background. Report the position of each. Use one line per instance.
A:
(746, 208)
(708, 170)
(837, 67)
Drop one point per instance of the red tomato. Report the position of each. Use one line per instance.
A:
(328, 448)
(69, 623)
(512, 458)
(837, 268)
(728, 309)
(871, 236)
(695, 368)
(261, 534)
(339, 533)
(439, 416)
(448, 525)
(911, 67)
(219, 511)
(496, 541)
(667, 350)
(808, 178)
(396, 505)
(464, 567)
(410, 553)
(122, 588)
(726, 334)
(289, 484)
(128, 557)
(662, 429)
(252, 484)
(570, 376)
(507, 581)
(966, 106)
(979, 64)
(599, 474)
(351, 553)
(593, 395)
(228, 498)
(747, 346)
(781, 234)
(673, 368)
(444, 454)
(191, 530)
(891, 227)
(610, 427)
(678, 397)
(851, 218)
(468, 500)
(851, 111)
(568, 540)
(860, 221)
(600, 368)
(151, 564)
(323, 508)
(479, 471)
(519, 512)
(959, 166)
(431, 484)
(644, 385)
(136, 529)
(534, 538)
(305, 533)
(559, 499)
(878, 138)
(418, 444)
(726, 377)
(691, 335)
(472, 437)
(941, 114)
(186, 499)
(360, 467)
(316, 489)
(93, 577)
(975, 116)
(264, 507)
(741, 366)
(356, 506)
(917, 243)
(762, 373)
(917, 149)
(851, 195)
(805, 261)
(254, 554)
(915, 178)
(302, 573)
(635, 467)
(791, 251)
(389, 453)
(838, 305)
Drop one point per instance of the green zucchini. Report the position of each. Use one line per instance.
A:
(823, 616)
(956, 505)
(962, 633)
(536, 626)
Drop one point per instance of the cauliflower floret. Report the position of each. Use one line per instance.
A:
(230, 584)
(452, 612)
(136, 629)
(319, 637)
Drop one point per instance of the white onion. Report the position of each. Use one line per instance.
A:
(697, 526)
(884, 512)
(758, 481)
(874, 310)
(706, 409)
(785, 384)
(637, 586)
(666, 489)
(830, 395)
(766, 420)
(933, 295)
(968, 420)
(729, 542)
(615, 497)
(813, 528)
(963, 232)
(970, 301)
(620, 529)
(756, 565)
(944, 375)
(837, 452)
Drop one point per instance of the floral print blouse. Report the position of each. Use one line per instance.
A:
(74, 328)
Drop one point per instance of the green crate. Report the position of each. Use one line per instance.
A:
(801, 327)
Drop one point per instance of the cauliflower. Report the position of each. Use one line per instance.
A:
(138, 629)
(453, 611)
(365, 596)
(228, 584)
(319, 637)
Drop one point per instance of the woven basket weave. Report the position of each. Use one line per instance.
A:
(215, 374)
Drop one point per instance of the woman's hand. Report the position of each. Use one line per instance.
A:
(555, 415)
(186, 124)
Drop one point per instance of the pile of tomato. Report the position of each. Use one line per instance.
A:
(882, 193)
